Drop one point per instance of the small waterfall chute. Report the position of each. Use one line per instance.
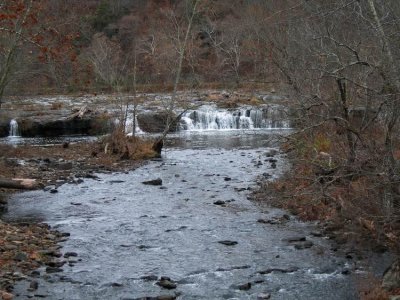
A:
(14, 131)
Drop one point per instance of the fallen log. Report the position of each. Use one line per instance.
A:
(19, 184)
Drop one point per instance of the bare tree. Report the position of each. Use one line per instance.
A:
(181, 42)
(12, 35)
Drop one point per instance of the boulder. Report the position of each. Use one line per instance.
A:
(155, 122)
(167, 283)
(55, 123)
(48, 126)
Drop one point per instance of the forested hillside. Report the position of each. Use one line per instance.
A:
(73, 46)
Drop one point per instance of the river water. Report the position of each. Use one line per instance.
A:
(124, 230)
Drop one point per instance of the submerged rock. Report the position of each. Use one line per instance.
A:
(228, 243)
(219, 202)
(295, 239)
(157, 181)
(149, 278)
(304, 245)
(245, 286)
(166, 283)
(34, 285)
(278, 270)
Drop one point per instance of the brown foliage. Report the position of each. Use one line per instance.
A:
(125, 147)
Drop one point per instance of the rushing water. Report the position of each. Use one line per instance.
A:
(14, 132)
(123, 230)
(208, 117)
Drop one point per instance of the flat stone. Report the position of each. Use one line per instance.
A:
(157, 181)
(116, 284)
(295, 239)
(219, 202)
(53, 270)
(55, 264)
(10, 247)
(304, 245)
(165, 297)
(263, 296)
(278, 270)
(70, 254)
(228, 243)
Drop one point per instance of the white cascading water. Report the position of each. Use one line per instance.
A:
(129, 125)
(13, 128)
(211, 118)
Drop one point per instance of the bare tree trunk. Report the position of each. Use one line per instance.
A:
(19, 184)
(6, 71)
(171, 105)
(394, 111)
(345, 111)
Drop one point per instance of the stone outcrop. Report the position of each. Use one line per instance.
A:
(51, 125)
(155, 122)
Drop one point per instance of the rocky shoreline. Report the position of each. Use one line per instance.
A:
(25, 247)
(363, 251)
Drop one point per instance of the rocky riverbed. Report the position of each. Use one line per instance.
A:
(190, 233)
(26, 246)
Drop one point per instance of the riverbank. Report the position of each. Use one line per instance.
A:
(24, 246)
(355, 239)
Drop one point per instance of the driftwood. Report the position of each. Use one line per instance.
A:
(79, 114)
(19, 183)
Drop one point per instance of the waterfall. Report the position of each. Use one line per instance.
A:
(210, 118)
(128, 125)
(13, 128)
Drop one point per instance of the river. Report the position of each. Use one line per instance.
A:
(127, 234)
